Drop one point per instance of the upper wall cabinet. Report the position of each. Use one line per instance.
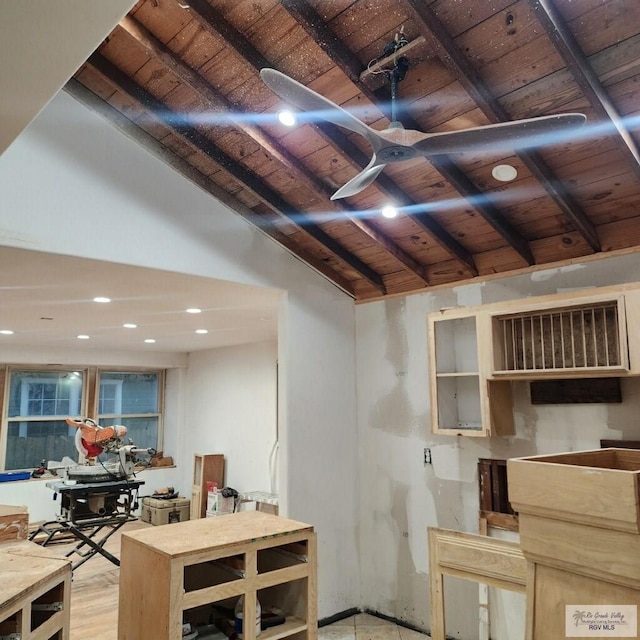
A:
(575, 339)
(476, 352)
(463, 400)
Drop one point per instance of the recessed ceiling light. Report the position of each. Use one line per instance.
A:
(202, 330)
(194, 310)
(83, 336)
(504, 172)
(102, 299)
(130, 325)
(389, 211)
(287, 118)
(6, 332)
(149, 340)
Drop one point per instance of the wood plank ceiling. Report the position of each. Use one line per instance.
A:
(182, 76)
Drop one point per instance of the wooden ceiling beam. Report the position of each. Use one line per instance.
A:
(147, 141)
(319, 31)
(218, 101)
(461, 68)
(240, 173)
(584, 75)
(465, 187)
(212, 20)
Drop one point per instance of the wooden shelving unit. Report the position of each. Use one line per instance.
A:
(174, 574)
(35, 594)
(206, 468)
(464, 400)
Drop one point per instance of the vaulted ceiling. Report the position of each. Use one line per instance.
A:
(182, 77)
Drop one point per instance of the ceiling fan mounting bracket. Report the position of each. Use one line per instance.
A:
(396, 75)
(395, 154)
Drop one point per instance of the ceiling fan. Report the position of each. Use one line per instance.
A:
(396, 143)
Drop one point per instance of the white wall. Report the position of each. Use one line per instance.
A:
(401, 496)
(231, 409)
(42, 44)
(71, 184)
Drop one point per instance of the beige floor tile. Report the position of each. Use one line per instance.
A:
(367, 620)
(379, 632)
(345, 622)
(410, 634)
(332, 632)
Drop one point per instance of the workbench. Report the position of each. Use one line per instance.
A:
(173, 573)
(92, 513)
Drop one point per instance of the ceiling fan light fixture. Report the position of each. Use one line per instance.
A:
(287, 118)
(389, 211)
(395, 144)
(504, 172)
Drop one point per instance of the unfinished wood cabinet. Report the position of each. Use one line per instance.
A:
(579, 531)
(35, 594)
(490, 561)
(475, 352)
(463, 400)
(562, 339)
(173, 574)
(206, 468)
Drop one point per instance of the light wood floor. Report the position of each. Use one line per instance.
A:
(94, 590)
(94, 602)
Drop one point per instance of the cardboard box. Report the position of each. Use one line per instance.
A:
(157, 511)
(218, 505)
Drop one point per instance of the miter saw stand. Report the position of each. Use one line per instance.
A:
(97, 497)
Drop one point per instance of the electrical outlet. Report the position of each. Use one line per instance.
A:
(427, 456)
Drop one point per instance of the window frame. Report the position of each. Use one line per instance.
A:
(89, 397)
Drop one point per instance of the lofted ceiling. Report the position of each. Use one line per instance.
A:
(182, 77)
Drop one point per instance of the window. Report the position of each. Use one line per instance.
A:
(131, 399)
(38, 402)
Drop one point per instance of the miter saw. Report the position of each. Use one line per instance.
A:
(91, 441)
(95, 494)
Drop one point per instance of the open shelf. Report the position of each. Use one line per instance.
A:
(201, 567)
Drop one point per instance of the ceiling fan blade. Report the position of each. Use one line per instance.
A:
(504, 136)
(361, 181)
(308, 100)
